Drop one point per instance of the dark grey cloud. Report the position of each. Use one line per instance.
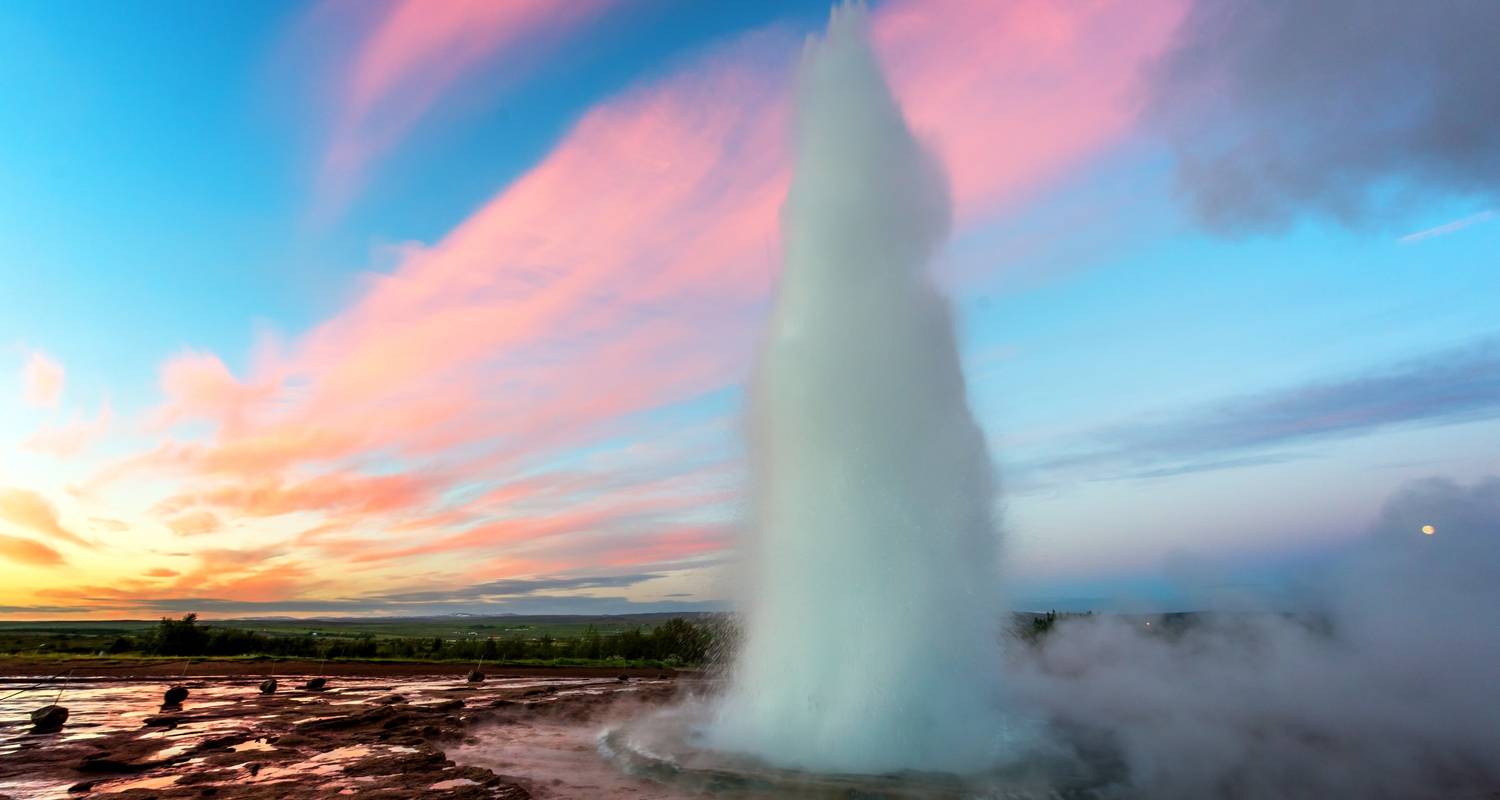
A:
(36, 609)
(539, 596)
(530, 604)
(1346, 108)
(1446, 387)
(518, 588)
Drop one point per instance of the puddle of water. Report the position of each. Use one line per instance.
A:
(139, 783)
(455, 783)
(562, 756)
(217, 707)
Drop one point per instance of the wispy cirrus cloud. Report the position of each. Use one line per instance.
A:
(1445, 387)
(1448, 227)
(72, 437)
(413, 55)
(27, 509)
(42, 380)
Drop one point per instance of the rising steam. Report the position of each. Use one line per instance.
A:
(1387, 691)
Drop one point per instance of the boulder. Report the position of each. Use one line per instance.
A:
(316, 685)
(175, 696)
(475, 676)
(268, 686)
(48, 719)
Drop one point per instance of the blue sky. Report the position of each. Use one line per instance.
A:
(505, 340)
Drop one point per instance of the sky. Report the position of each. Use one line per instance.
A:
(406, 308)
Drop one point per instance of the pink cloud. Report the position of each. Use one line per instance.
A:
(1013, 94)
(42, 381)
(625, 273)
(416, 52)
(200, 386)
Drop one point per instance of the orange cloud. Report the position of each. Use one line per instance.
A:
(331, 492)
(240, 575)
(74, 437)
(28, 509)
(42, 381)
(195, 523)
(160, 572)
(26, 551)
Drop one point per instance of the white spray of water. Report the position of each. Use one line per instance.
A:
(872, 596)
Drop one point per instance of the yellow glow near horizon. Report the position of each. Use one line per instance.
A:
(1429, 530)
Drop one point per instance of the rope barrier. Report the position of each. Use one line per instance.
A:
(71, 670)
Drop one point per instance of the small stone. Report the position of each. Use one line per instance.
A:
(475, 676)
(175, 696)
(268, 686)
(316, 685)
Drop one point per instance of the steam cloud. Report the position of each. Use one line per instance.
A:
(871, 557)
(1340, 107)
(1390, 694)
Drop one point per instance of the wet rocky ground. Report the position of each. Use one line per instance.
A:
(386, 736)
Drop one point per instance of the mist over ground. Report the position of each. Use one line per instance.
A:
(1385, 689)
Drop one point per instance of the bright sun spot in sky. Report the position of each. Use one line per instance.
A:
(1429, 530)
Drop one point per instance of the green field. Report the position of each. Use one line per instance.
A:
(673, 639)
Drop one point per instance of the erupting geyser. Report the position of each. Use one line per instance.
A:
(871, 594)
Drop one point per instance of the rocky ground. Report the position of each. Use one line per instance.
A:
(374, 738)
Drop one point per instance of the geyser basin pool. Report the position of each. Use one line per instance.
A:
(871, 594)
(668, 748)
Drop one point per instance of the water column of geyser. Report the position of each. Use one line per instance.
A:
(870, 606)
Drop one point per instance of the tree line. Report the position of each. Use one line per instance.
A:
(676, 642)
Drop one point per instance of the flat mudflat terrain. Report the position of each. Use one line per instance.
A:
(375, 730)
(127, 668)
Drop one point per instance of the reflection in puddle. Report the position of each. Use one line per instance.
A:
(455, 783)
(139, 783)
